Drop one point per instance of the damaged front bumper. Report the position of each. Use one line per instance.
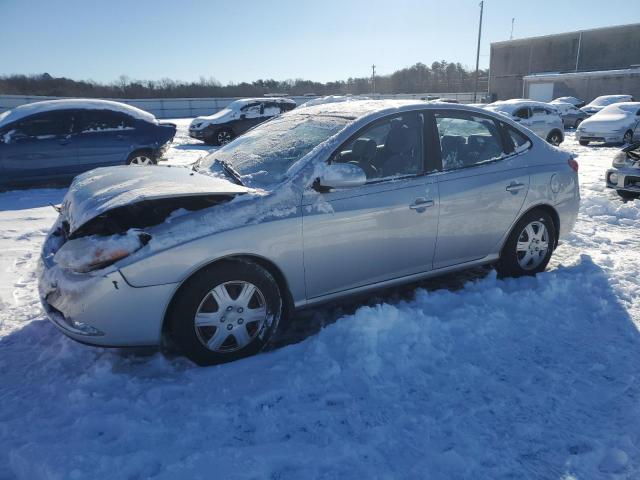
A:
(626, 179)
(101, 308)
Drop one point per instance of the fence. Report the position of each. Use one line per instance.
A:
(193, 107)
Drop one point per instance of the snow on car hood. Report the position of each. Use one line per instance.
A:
(98, 191)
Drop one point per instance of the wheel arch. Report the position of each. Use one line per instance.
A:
(263, 262)
(555, 130)
(541, 206)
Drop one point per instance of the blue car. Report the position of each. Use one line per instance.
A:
(51, 142)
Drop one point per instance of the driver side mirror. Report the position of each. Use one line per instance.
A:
(341, 175)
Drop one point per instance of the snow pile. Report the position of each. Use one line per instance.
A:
(521, 378)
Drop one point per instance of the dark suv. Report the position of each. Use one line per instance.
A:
(53, 141)
(236, 118)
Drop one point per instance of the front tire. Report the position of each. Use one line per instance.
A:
(584, 143)
(229, 310)
(529, 246)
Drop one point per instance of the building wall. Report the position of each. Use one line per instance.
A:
(588, 87)
(598, 49)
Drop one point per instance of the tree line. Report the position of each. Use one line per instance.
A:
(439, 77)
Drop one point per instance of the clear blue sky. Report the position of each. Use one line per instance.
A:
(237, 40)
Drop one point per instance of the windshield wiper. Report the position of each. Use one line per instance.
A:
(229, 170)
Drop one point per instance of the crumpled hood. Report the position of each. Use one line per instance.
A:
(98, 191)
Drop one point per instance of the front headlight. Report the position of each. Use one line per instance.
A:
(613, 178)
(86, 254)
(619, 159)
(195, 125)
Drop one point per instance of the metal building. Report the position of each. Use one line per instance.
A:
(585, 64)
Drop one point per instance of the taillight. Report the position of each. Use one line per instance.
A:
(573, 163)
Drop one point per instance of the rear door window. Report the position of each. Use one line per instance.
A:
(90, 121)
(467, 140)
(522, 113)
(519, 140)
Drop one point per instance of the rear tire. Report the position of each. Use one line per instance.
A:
(628, 137)
(229, 310)
(627, 195)
(578, 122)
(529, 246)
(555, 138)
(141, 159)
(584, 143)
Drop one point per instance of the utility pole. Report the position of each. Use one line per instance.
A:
(512, 22)
(475, 91)
(373, 79)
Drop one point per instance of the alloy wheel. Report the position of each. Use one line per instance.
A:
(141, 160)
(230, 316)
(532, 246)
(628, 137)
(224, 137)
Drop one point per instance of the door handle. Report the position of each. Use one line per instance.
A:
(514, 187)
(421, 203)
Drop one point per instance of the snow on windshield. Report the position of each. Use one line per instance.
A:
(263, 155)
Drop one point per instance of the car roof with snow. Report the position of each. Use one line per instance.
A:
(361, 108)
(241, 102)
(28, 109)
(627, 108)
(513, 104)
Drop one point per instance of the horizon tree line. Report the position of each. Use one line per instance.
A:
(440, 77)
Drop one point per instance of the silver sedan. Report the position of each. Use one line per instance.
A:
(318, 204)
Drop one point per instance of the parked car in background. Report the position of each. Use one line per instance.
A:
(599, 103)
(539, 117)
(571, 116)
(624, 174)
(236, 118)
(617, 123)
(576, 102)
(313, 206)
(53, 141)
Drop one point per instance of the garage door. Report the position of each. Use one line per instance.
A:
(542, 92)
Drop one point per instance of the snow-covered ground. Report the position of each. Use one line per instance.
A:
(469, 377)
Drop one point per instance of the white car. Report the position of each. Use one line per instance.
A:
(617, 123)
(599, 103)
(541, 118)
(236, 118)
(576, 102)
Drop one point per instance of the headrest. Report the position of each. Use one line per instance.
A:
(364, 148)
(451, 142)
(398, 138)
